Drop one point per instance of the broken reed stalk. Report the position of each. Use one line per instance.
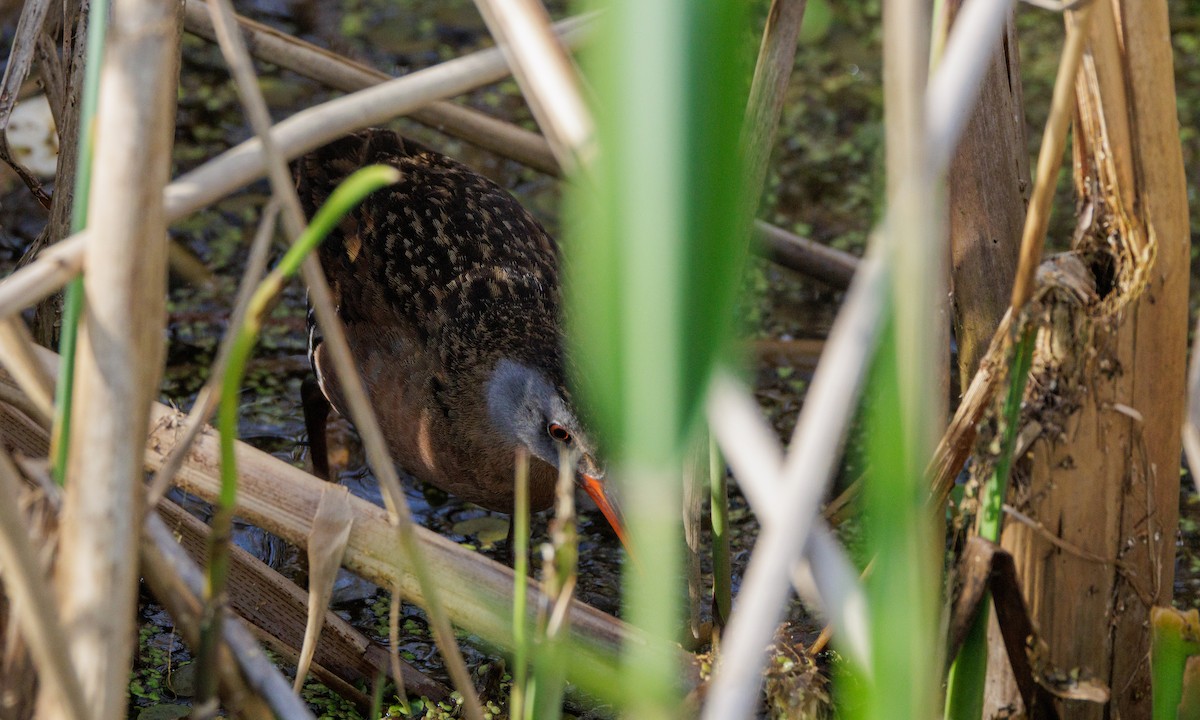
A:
(987, 190)
(965, 694)
(1054, 141)
(1110, 483)
(326, 548)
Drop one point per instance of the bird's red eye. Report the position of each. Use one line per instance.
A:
(558, 432)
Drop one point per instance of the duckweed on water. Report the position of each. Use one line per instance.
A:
(326, 704)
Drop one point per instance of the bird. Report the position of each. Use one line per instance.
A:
(449, 292)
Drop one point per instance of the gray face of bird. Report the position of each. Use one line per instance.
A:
(528, 408)
(525, 406)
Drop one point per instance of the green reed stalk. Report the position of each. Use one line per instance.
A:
(1174, 637)
(965, 685)
(655, 246)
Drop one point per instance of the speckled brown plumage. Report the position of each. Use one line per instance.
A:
(438, 279)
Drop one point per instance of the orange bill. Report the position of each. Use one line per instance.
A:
(599, 492)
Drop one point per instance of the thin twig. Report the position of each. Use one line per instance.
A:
(831, 266)
(43, 277)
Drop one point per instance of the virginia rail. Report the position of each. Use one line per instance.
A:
(449, 292)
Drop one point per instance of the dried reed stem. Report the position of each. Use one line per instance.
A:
(548, 78)
(121, 348)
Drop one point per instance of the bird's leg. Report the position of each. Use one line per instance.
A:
(509, 558)
(316, 413)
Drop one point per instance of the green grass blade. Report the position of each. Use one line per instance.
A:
(902, 588)
(965, 683)
(97, 29)
(991, 508)
(964, 695)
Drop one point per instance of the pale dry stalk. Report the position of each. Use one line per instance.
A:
(120, 351)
